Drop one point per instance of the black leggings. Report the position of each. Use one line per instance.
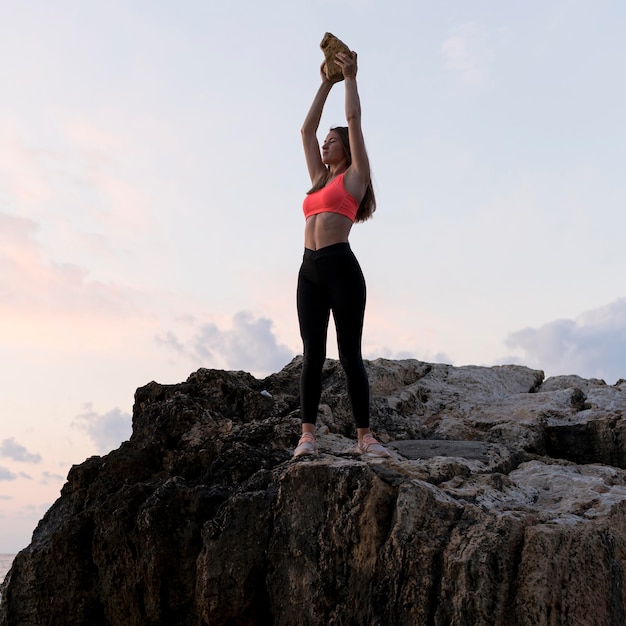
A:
(331, 279)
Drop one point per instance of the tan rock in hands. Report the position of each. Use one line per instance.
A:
(331, 45)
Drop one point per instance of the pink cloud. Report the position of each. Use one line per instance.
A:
(80, 173)
(106, 160)
(46, 302)
(21, 175)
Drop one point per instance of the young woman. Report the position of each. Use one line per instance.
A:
(330, 277)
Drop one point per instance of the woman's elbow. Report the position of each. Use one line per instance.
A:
(353, 116)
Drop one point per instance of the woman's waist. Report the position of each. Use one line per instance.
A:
(334, 249)
(321, 233)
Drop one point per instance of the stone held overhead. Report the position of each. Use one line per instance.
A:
(330, 46)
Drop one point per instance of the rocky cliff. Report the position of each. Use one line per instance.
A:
(504, 503)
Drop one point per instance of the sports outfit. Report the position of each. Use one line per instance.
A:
(330, 279)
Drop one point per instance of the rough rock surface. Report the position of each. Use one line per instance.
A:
(504, 503)
(330, 46)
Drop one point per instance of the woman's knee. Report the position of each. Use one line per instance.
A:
(314, 358)
(352, 364)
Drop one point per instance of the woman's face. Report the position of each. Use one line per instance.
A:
(332, 150)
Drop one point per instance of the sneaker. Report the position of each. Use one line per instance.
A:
(369, 445)
(306, 446)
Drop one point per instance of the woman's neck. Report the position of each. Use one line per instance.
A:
(337, 170)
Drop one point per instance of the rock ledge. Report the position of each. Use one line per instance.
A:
(504, 503)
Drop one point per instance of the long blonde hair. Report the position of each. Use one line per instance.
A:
(367, 205)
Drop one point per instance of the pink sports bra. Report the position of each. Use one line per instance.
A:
(334, 198)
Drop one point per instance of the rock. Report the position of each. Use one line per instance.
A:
(503, 503)
(330, 46)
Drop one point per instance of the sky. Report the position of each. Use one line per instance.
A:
(151, 185)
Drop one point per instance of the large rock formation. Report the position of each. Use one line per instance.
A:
(504, 503)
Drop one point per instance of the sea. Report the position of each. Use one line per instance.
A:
(5, 564)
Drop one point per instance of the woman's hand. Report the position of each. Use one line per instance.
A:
(347, 63)
(323, 73)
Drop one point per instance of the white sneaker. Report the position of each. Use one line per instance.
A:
(369, 445)
(306, 446)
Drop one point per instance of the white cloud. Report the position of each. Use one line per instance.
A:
(593, 345)
(249, 344)
(10, 449)
(465, 52)
(106, 430)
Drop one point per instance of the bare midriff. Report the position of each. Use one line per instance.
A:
(326, 229)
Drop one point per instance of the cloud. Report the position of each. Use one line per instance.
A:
(106, 430)
(48, 478)
(593, 345)
(171, 341)
(82, 168)
(5, 474)
(426, 356)
(47, 303)
(21, 175)
(58, 288)
(12, 450)
(250, 344)
(465, 52)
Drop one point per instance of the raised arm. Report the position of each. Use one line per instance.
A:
(309, 129)
(357, 176)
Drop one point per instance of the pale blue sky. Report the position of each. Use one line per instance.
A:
(151, 181)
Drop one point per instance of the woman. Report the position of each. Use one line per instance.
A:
(330, 277)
